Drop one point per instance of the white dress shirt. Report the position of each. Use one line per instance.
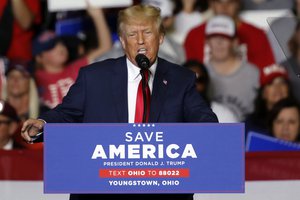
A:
(134, 78)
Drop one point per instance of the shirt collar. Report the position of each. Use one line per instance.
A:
(9, 145)
(134, 71)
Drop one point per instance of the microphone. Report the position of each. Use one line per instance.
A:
(144, 64)
(142, 61)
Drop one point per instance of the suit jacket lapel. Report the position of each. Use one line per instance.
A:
(159, 91)
(119, 89)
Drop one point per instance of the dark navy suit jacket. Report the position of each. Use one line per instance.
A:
(99, 95)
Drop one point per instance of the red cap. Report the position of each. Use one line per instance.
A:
(269, 73)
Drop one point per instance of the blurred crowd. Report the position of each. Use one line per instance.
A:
(245, 73)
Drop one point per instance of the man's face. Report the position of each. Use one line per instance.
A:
(221, 48)
(17, 84)
(141, 37)
(229, 8)
(57, 56)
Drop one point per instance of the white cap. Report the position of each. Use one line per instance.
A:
(220, 25)
(166, 6)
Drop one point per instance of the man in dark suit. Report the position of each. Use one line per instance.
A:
(107, 91)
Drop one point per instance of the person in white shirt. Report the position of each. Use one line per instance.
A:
(224, 114)
(188, 15)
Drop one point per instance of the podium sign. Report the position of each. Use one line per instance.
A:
(144, 158)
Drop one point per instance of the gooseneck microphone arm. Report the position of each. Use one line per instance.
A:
(144, 94)
(143, 63)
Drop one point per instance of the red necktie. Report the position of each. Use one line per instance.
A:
(139, 109)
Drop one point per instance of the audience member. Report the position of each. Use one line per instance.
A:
(22, 95)
(224, 114)
(21, 91)
(274, 87)
(54, 76)
(253, 41)
(234, 81)
(17, 20)
(187, 16)
(8, 125)
(292, 64)
(284, 121)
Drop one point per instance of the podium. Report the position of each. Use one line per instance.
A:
(144, 158)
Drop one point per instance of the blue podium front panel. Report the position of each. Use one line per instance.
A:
(144, 158)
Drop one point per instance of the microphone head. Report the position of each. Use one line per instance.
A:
(142, 61)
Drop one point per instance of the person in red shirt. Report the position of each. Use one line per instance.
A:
(17, 18)
(54, 76)
(254, 44)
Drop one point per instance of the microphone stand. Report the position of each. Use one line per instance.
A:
(144, 64)
(144, 85)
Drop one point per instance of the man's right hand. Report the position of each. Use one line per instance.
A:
(31, 128)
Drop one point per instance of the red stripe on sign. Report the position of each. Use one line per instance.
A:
(28, 165)
(145, 173)
(21, 165)
(273, 165)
